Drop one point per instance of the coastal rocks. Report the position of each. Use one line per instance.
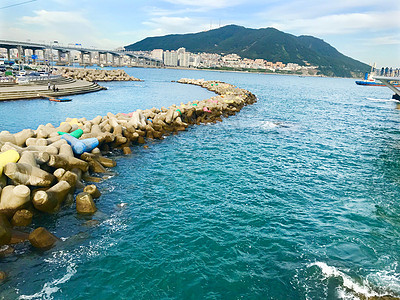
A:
(26, 174)
(96, 75)
(42, 239)
(22, 218)
(44, 169)
(5, 230)
(7, 157)
(93, 191)
(50, 200)
(13, 198)
(85, 204)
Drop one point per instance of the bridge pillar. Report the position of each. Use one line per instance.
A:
(44, 55)
(8, 54)
(81, 63)
(120, 61)
(59, 56)
(68, 57)
(90, 58)
(112, 59)
(19, 48)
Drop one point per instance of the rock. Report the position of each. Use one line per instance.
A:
(127, 150)
(42, 239)
(5, 230)
(85, 204)
(91, 223)
(50, 200)
(18, 237)
(14, 198)
(28, 175)
(3, 275)
(93, 191)
(22, 218)
(6, 250)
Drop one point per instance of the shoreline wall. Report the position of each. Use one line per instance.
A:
(44, 170)
(95, 75)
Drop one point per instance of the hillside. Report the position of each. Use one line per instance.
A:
(267, 43)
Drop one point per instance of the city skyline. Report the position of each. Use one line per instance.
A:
(364, 30)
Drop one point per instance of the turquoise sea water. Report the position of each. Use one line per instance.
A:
(295, 197)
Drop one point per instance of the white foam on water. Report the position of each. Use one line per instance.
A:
(268, 125)
(383, 100)
(50, 288)
(351, 289)
(69, 259)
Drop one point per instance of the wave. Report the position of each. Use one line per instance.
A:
(50, 288)
(69, 259)
(381, 284)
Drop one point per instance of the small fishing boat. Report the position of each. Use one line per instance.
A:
(369, 80)
(60, 99)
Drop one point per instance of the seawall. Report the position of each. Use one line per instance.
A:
(44, 170)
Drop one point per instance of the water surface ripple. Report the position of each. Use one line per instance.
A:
(295, 197)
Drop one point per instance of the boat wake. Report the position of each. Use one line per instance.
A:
(381, 285)
(383, 100)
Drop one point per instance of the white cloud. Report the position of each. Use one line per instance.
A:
(207, 4)
(307, 9)
(51, 18)
(384, 40)
(342, 23)
(167, 25)
(64, 26)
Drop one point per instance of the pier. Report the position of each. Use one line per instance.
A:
(87, 56)
(387, 81)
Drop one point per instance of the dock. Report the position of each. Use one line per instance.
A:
(65, 86)
(388, 82)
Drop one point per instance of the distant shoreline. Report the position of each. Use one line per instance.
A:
(247, 72)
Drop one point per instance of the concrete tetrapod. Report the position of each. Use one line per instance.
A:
(50, 200)
(92, 190)
(42, 239)
(7, 157)
(5, 230)
(22, 217)
(14, 198)
(85, 204)
(28, 175)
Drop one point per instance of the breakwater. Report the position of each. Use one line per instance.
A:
(41, 170)
(96, 75)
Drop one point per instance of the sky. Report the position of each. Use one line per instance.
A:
(366, 30)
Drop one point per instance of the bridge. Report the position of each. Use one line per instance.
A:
(87, 56)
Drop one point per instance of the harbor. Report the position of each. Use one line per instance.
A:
(208, 193)
(199, 150)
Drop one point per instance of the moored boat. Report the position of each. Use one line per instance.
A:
(60, 99)
(369, 80)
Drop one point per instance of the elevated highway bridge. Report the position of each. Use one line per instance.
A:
(86, 55)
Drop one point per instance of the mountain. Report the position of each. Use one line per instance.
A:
(267, 43)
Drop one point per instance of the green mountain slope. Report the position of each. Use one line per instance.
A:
(267, 43)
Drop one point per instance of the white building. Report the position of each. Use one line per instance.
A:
(194, 60)
(157, 54)
(171, 58)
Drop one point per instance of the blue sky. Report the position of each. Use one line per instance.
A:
(366, 30)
